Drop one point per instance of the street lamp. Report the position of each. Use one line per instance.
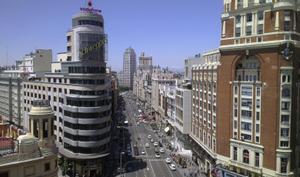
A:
(121, 153)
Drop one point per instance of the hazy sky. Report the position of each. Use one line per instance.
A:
(168, 30)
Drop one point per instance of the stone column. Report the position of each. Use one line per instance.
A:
(41, 129)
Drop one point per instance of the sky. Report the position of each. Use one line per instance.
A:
(167, 30)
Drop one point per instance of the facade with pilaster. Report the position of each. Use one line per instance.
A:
(257, 133)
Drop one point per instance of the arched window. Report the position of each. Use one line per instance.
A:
(248, 69)
(246, 156)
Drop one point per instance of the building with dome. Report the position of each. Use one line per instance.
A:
(32, 154)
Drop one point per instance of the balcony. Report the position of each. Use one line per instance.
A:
(284, 4)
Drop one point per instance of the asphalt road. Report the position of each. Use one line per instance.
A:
(143, 165)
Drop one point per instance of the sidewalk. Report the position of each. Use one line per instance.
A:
(192, 169)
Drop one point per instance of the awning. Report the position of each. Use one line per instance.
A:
(167, 129)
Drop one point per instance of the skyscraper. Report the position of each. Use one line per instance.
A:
(129, 67)
(79, 94)
(258, 108)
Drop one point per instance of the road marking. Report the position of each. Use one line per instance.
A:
(169, 170)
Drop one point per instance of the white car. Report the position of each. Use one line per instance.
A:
(152, 140)
(143, 152)
(157, 155)
(149, 136)
(147, 145)
(161, 150)
(172, 167)
(155, 144)
(168, 160)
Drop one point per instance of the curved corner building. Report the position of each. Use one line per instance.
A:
(79, 93)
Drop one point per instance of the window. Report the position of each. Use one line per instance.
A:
(246, 114)
(47, 166)
(257, 103)
(286, 92)
(283, 79)
(257, 159)
(257, 139)
(246, 102)
(260, 15)
(260, 29)
(284, 143)
(4, 174)
(246, 156)
(238, 19)
(239, 4)
(283, 164)
(250, 3)
(285, 119)
(257, 128)
(234, 153)
(235, 124)
(246, 126)
(237, 31)
(287, 21)
(248, 30)
(284, 132)
(245, 137)
(249, 17)
(247, 91)
(285, 106)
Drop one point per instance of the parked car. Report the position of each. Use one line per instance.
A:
(172, 167)
(147, 145)
(143, 152)
(152, 140)
(157, 155)
(162, 150)
(168, 160)
(155, 144)
(149, 136)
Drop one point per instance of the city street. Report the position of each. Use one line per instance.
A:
(146, 165)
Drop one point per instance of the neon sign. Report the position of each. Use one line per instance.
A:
(90, 9)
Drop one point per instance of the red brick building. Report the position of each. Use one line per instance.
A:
(258, 92)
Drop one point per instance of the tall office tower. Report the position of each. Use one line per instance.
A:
(79, 94)
(129, 67)
(258, 81)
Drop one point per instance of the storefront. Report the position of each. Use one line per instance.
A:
(204, 161)
(222, 171)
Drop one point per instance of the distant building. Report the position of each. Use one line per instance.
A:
(145, 62)
(188, 63)
(36, 62)
(61, 57)
(129, 67)
(11, 99)
(183, 102)
(160, 77)
(142, 79)
(11, 79)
